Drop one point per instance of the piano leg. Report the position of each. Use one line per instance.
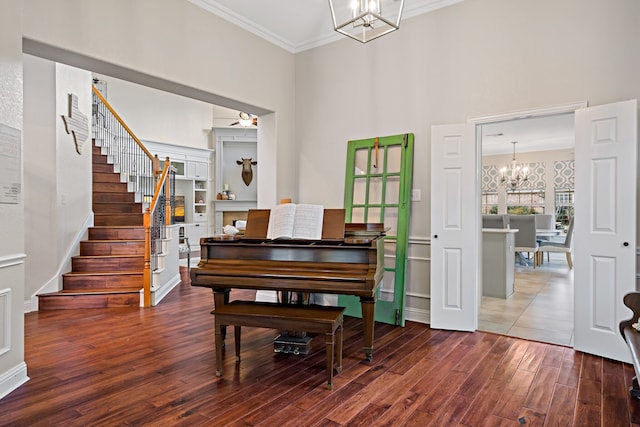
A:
(368, 305)
(221, 297)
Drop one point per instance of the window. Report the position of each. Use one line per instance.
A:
(564, 205)
(489, 203)
(525, 202)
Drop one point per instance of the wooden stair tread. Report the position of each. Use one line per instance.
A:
(107, 256)
(103, 273)
(118, 226)
(70, 292)
(118, 241)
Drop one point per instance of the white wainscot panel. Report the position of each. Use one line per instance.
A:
(418, 282)
(5, 315)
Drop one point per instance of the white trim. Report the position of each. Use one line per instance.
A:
(522, 114)
(419, 240)
(11, 260)
(326, 37)
(158, 293)
(13, 378)
(245, 24)
(417, 315)
(5, 338)
(418, 295)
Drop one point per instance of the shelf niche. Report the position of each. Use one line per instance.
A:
(233, 145)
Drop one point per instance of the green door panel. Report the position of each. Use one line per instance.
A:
(378, 189)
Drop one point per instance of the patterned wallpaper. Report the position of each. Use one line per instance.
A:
(491, 178)
(564, 174)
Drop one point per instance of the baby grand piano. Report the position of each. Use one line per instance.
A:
(348, 260)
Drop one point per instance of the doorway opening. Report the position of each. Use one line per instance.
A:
(541, 305)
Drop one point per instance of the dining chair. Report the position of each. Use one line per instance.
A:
(526, 236)
(565, 246)
(493, 221)
(545, 221)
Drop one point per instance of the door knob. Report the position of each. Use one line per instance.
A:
(626, 243)
(435, 236)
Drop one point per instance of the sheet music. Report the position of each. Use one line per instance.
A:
(296, 222)
(308, 222)
(281, 221)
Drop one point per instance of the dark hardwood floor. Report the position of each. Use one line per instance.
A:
(156, 366)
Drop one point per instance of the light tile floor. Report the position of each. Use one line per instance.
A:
(541, 307)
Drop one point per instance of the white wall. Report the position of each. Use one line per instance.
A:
(73, 170)
(40, 167)
(159, 116)
(178, 45)
(57, 178)
(475, 58)
(13, 370)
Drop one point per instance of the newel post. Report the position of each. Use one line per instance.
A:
(157, 171)
(147, 259)
(167, 192)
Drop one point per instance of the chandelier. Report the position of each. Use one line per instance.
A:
(511, 177)
(363, 20)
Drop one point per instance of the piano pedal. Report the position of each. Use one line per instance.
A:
(288, 344)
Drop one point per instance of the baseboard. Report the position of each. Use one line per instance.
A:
(159, 293)
(12, 379)
(417, 315)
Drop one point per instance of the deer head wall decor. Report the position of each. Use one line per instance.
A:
(247, 172)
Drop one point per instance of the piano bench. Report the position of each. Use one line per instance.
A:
(319, 319)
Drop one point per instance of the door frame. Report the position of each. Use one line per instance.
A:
(508, 116)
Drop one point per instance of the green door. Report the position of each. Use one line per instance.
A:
(378, 189)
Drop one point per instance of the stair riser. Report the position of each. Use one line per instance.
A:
(63, 302)
(105, 177)
(116, 233)
(102, 168)
(89, 248)
(78, 282)
(117, 207)
(110, 187)
(118, 219)
(99, 159)
(113, 197)
(98, 264)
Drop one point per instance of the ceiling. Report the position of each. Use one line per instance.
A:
(551, 132)
(298, 25)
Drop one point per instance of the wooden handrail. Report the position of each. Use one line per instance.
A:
(122, 123)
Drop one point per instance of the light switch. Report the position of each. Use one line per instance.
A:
(416, 195)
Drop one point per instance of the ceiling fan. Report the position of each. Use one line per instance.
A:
(246, 120)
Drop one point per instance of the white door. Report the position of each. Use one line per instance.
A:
(605, 225)
(454, 227)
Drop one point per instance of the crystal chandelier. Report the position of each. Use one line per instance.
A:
(363, 20)
(511, 177)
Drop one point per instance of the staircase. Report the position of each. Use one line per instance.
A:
(109, 270)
